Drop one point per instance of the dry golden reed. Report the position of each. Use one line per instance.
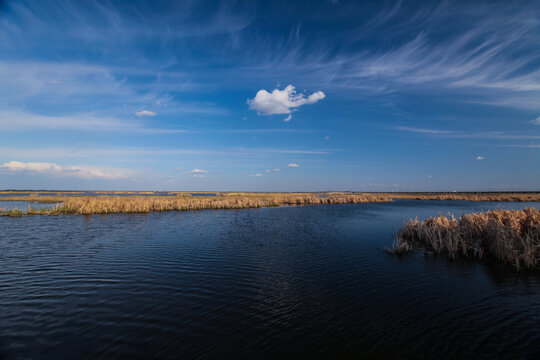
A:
(510, 236)
(141, 204)
(532, 196)
(135, 202)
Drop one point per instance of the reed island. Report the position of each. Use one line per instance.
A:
(509, 236)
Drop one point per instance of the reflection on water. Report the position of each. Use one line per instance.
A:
(273, 282)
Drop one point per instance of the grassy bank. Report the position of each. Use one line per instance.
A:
(510, 236)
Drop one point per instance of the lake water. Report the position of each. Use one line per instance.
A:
(23, 205)
(296, 282)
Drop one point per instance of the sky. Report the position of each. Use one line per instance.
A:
(270, 95)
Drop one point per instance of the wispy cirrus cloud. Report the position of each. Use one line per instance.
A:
(90, 24)
(77, 87)
(529, 146)
(138, 152)
(486, 53)
(22, 120)
(501, 135)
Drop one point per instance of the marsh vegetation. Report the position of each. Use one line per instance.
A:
(510, 236)
(86, 205)
(143, 202)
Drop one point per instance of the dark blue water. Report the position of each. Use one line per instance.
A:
(295, 282)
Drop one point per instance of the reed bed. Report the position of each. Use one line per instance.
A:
(49, 199)
(510, 236)
(86, 205)
(134, 204)
(532, 196)
(178, 201)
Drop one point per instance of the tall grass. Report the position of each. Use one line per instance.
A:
(533, 196)
(137, 204)
(142, 204)
(185, 201)
(510, 236)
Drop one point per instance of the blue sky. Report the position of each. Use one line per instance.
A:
(270, 96)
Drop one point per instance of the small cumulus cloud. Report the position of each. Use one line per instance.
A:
(288, 118)
(257, 175)
(282, 101)
(198, 173)
(293, 165)
(480, 158)
(535, 121)
(276, 170)
(80, 171)
(145, 113)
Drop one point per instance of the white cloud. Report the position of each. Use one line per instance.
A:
(480, 158)
(198, 173)
(145, 113)
(327, 138)
(281, 101)
(276, 170)
(80, 171)
(293, 165)
(288, 118)
(257, 175)
(535, 121)
(429, 176)
(267, 170)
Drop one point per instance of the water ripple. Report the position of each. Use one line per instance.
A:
(287, 282)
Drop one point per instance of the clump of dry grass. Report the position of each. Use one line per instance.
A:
(510, 236)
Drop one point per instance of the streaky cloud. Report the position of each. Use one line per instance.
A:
(79, 171)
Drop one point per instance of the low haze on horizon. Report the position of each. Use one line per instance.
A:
(270, 96)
